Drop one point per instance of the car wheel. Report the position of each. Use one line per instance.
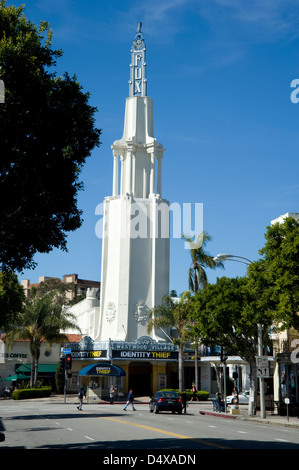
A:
(156, 409)
(151, 410)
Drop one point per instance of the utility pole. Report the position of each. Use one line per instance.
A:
(262, 383)
(223, 359)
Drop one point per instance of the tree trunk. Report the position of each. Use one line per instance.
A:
(33, 375)
(218, 378)
(35, 370)
(253, 389)
(181, 367)
(196, 364)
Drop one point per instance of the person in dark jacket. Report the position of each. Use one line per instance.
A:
(130, 399)
(184, 401)
(80, 396)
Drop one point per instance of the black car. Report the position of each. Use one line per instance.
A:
(166, 401)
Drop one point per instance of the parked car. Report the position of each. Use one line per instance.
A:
(243, 398)
(166, 401)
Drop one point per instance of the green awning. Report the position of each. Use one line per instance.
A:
(17, 377)
(41, 368)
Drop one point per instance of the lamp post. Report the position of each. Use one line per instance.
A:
(225, 257)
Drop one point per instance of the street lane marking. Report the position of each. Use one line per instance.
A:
(90, 438)
(181, 436)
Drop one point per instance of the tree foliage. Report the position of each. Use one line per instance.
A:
(11, 298)
(280, 256)
(173, 313)
(201, 260)
(228, 312)
(42, 320)
(47, 130)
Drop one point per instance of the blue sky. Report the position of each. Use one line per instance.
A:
(219, 73)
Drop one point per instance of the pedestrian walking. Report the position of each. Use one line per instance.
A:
(111, 394)
(130, 400)
(80, 396)
(184, 401)
(194, 392)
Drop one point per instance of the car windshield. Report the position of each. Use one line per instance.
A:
(168, 395)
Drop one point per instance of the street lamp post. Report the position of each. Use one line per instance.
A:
(225, 257)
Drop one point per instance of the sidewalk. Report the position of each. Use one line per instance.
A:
(206, 408)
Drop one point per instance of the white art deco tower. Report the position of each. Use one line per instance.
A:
(135, 243)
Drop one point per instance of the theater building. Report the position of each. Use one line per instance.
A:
(135, 253)
(135, 268)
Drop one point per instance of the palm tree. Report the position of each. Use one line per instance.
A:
(200, 261)
(42, 320)
(173, 314)
(197, 275)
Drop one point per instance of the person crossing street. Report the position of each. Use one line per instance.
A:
(130, 400)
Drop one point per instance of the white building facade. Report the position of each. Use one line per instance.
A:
(135, 242)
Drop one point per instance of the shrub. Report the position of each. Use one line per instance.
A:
(25, 393)
(200, 395)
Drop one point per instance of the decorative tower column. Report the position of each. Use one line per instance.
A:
(135, 254)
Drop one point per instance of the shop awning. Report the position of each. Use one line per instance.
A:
(17, 377)
(41, 368)
(102, 370)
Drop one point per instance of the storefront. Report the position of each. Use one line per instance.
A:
(15, 363)
(147, 364)
(287, 374)
(98, 378)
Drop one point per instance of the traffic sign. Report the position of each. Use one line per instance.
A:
(263, 372)
(66, 351)
(262, 361)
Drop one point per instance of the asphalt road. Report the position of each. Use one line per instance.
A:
(42, 425)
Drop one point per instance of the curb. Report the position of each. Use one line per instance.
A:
(252, 419)
(219, 415)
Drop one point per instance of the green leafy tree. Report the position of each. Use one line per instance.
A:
(173, 313)
(198, 279)
(60, 290)
(11, 298)
(42, 320)
(227, 314)
(280, 256)
(47, 131)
